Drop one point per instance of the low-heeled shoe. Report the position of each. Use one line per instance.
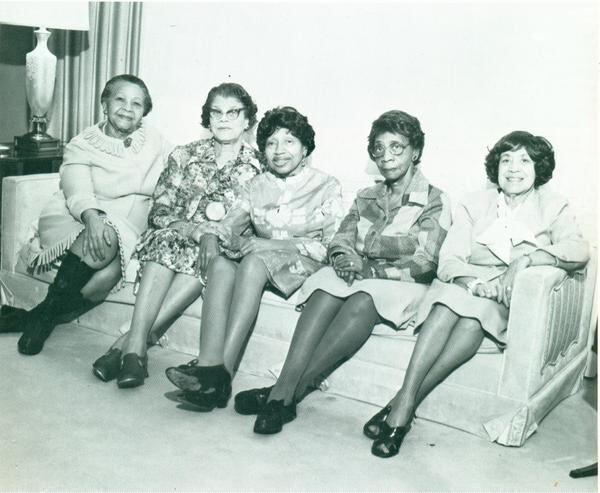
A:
(134, 369)
(389, 441)
(204, 402)
(186, 376)
(251, 401)
(273, 416)
(108, 366)
(372, 428)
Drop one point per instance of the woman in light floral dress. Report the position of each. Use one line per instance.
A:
(294, 211)
(193, 194)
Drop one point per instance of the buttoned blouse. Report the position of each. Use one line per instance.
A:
(401, 240)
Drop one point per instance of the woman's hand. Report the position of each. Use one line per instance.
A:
(96, 235)
(349, 267)
(209, 249)
(491, 290)
(254, 244)
(507, 280)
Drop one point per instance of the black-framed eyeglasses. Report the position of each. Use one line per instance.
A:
(230, 115)
(395, 148)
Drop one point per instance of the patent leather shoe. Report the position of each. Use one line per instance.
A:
(108, 366)
(273, 416)
(389, 440)
(134, 369)
(372, 428)
(251, 401)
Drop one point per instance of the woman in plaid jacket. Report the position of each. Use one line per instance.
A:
(382, 258)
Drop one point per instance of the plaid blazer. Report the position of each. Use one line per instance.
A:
(402, 242)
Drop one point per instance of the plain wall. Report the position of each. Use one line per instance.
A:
(470, 72)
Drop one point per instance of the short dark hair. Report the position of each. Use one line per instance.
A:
(229, 90)
(538, 148)
(398, 122)
(132, 79)
(290, 119)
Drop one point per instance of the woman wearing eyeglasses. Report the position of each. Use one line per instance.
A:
(294, 210)
(195, 191)
(382, 258)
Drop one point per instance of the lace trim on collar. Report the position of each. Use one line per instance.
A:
(110, 145)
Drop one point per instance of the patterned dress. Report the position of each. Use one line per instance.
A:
(400, 244)
(191, 184)
(305, 208)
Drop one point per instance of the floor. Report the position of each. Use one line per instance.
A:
(61, 429)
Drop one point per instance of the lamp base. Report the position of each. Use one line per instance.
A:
(36, 144)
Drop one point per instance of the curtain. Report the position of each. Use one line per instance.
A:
(86, 60)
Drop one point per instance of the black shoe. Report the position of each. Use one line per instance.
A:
(134, 370)
(251, 401)
(214, 388)
(273, 416)
(372, 428)
(187, 376)
(389, 441)
(108, 366)
(37, 329)
(64, 296)
(11, 319)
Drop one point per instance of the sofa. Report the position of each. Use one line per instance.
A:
(499, 396)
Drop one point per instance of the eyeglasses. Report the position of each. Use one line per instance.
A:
(230, 115)
(395, 148)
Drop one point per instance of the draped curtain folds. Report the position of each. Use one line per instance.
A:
(86, 60)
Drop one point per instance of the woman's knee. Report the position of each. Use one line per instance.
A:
(220, 266)
(470, 326)
(361, 303)
(111, 250)
(253, 264)
(103, 281)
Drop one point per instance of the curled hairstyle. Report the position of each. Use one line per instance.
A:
(538, 148)
(290, 119)
(132, 79)
(230, 90)
(398, 122)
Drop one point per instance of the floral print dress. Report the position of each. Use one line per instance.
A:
(193, 189)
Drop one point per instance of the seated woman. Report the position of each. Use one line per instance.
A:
(92, 224)
(497, 233)
(294, 210)
(199, 185)
(383, 257)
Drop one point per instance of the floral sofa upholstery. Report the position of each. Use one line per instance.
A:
(501, 397)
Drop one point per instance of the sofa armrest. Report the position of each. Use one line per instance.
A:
(23, 198)
(548, 327)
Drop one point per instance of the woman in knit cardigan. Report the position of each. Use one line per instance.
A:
(93, 222)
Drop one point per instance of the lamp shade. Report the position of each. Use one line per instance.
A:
(57, 15)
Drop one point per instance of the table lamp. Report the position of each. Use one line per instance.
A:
(40, 64)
